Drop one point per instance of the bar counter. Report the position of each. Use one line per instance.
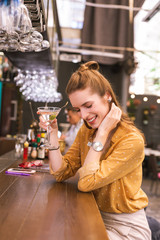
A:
(37, 207)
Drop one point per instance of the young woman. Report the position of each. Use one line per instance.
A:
(107, 153)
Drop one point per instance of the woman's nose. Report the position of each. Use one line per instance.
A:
(83, 113)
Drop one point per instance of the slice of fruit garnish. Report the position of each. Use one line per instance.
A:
(52, 117)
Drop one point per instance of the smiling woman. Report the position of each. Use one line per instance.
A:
(107, 153)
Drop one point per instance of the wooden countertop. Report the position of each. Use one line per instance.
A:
(37, 207)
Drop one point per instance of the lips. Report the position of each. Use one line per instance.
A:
(91, 120)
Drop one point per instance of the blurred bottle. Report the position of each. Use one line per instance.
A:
(29, 139)
(6, 70)
(41, 148)
(46, 153)
(25, 151)
(34, 149)
(38, 139)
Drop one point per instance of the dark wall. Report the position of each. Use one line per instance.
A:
(152, 129)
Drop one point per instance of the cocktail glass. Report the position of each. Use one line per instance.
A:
(48, 114)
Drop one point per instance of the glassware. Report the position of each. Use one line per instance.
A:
(45, 45)
(20, 139)
(48, 114)
(13, 45)
(38, 86)
(3, 45)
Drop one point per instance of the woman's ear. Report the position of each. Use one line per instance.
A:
(108, 97)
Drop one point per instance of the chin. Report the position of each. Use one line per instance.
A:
(91, 126)
(94, 126)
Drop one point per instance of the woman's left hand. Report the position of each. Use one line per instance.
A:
(111, 120)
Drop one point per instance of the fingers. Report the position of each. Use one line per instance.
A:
(43, 124)
(114, 116)
(115, 112)
(53, 123)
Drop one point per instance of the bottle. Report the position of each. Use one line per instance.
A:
(29, 148)
(46, 153)
(33, 142)
(34, 150)
(29, 139)
(43, 137)
(38, 139)
(41, 149)
(25, 151)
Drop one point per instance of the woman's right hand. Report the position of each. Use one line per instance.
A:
(53, 124)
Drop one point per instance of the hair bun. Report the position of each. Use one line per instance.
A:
(91, 65)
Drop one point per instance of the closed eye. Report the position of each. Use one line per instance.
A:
(89, 106)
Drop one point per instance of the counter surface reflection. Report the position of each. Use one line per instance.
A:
(37, 207)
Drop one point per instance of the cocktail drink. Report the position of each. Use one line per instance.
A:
(48, 114)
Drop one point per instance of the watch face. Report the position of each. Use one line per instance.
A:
(97, 146)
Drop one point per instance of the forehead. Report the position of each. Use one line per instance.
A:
(80, 97)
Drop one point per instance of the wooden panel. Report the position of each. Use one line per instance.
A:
(6, 110)
(6, 145)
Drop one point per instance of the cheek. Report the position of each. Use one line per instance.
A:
(103, 110)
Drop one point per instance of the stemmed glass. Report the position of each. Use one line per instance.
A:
(48, 114)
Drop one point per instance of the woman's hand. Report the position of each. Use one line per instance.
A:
(53, 124)
(111, 120)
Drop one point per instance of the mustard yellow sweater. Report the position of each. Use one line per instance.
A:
(116, 179)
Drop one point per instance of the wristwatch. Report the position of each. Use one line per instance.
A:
(97, 146)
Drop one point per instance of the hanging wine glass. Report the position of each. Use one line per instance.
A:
(13, 45)
(37, 36)
(3, 21)
(25, 23)
(13, 15)
(3, 45)
(36, 45)
(45, 45)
